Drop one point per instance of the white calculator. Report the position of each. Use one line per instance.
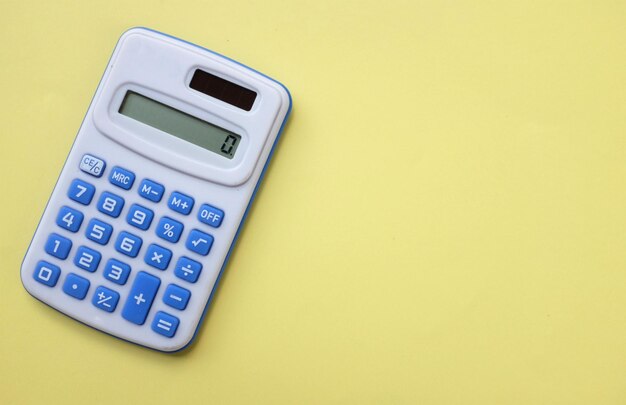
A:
(149, 203)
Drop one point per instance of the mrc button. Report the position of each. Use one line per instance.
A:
(210, 215)
(122, 178)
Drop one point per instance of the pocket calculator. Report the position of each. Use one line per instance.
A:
(154, 190)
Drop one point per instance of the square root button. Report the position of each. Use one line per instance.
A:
(199, 242)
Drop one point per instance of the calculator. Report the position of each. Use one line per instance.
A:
(154, 191)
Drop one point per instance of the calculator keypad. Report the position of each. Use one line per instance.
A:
(155, 256)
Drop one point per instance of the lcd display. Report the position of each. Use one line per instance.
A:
(180, 124)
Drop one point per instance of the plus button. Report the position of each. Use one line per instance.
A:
(139, 298)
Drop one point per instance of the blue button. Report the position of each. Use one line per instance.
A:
(92, 165)
(87, 259)
(58, 246)
(187, 269)
(199, 242)
(110, 204)
(98, 231)
(116, 271)
(122, 178)
(140, 298)
(76, 286)
(139, 217)
(176, 297)
(105, 299)
(81, 191)
(69, 219)
(128, 244)
(169, 229)
(157, 256)
(180, 202)
(165, 324)
(47, 273)
(210, 215)
(151, 190)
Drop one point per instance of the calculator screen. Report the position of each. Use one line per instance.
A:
(180, 124)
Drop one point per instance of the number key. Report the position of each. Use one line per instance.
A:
(81, 192)
(116, 271)
(128, 244)
(58, 246)
(69, 219)
(139, 216)
(47, 273)
(87, 259)
(110, 204)
(98, 231)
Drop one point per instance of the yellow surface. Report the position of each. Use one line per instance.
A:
(444, 220)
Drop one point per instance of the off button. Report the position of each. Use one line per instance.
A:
(92, 165)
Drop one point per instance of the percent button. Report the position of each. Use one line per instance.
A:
(169, 229)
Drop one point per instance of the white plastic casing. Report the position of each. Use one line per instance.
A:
(160, 67)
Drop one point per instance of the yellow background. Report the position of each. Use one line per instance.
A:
(443, 222)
